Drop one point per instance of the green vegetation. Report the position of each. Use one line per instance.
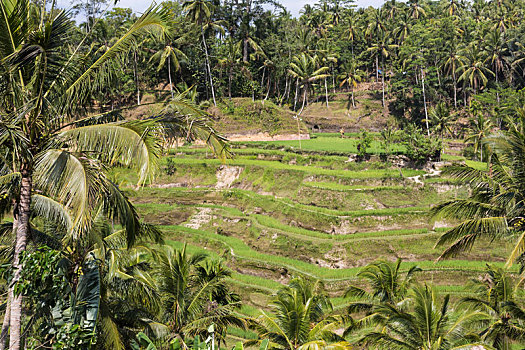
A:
(376, 165)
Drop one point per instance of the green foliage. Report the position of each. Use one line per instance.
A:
(363, 143)
(420, 148)
(67, 316)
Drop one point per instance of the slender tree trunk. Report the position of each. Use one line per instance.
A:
(7, 319)
(285, 89)
(22, 234)
(304, 99)
(455, 90)
(497, 85)
(425, 100)
(136, 76)
(377, 69)
(326, 91)
(353, 100)
(208, 66)
(437, 71)
(268, 85)
(333, 80)
(262, 80)
(230, 74)
(7, 315)
(383, 79)
(481, 151)
(169, 77)
(296, 93)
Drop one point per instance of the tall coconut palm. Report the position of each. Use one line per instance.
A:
(384, 48)
(480, 128)
(452, 63)
(417, 9)
(454, 7)
(473, 71)
(350, 77)
(298, 317)
(497, 54)
(353, 30)
(169, 56)
(306, 70)
(441, 119)
(199, 12)
(496, 296)
(326, 57)
(428, 324)
(495, 208)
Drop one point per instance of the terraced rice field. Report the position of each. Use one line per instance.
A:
(274, 214)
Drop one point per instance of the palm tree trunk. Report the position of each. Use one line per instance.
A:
(353, 100)
(455, 90)
(5, 324)
(22, 213)
(296, 93)
(304, 99)
(268, 85)
(136, 76)
(377, 68)
(169, 77)
(7, 315)
(481, 151)
(383, 78)
(326, 91)
(262, 80)
(333, 80)
(425, 101)
(208, 66)
(230, 75)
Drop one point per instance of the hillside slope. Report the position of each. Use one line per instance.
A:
(243, 116)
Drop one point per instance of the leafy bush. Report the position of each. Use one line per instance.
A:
(420, 148)
(363, 143)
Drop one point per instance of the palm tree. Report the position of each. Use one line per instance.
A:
(417, 9)
(453, 62)
(402, 30)
(49, 149)
(480, 128)
(498, 54)
(169, 56)
(305, 69)
(386, 284)
(383, 48)
(45, 147)
(473, 70)
(199, 13)
(496, 297)
(326, 57)
(429, 324)
(299, 317)
(494, 210)
(195, 294)
(453, 7)
(353, 30)
(376, 28)
(350, 77)
(441, 119)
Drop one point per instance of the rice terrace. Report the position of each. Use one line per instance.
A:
(259, 174)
